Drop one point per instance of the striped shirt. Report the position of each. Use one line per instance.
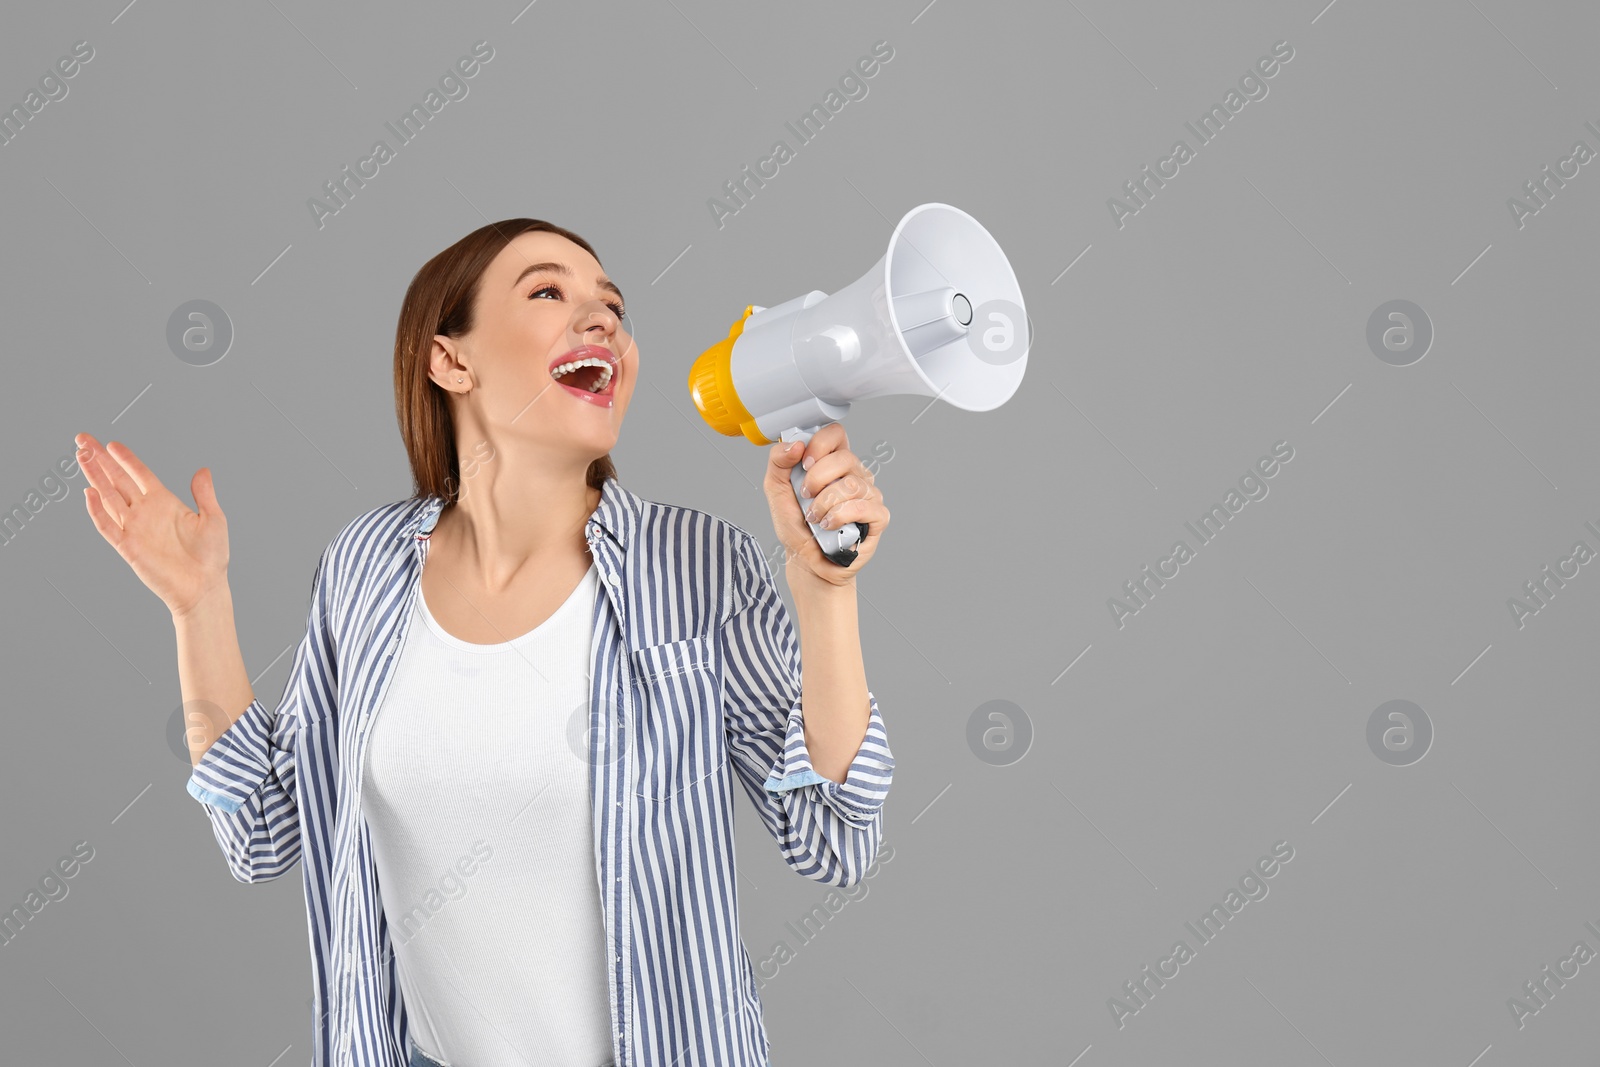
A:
(690, 634)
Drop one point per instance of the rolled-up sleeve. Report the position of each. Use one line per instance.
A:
(827, 831)
(246, 779)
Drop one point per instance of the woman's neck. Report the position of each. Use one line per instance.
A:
(497, 528)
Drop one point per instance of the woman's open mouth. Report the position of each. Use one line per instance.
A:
(588, 372)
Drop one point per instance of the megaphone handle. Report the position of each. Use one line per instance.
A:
(838, 546)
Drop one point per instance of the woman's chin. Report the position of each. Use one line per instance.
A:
(594, 443)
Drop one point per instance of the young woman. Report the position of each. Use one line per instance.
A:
(527, 857)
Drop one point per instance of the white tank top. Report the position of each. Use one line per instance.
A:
(476, 800)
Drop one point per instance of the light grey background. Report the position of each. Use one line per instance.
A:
(1229, 314)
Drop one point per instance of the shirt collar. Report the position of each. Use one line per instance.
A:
(617, 515)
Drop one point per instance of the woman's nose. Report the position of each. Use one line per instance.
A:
(599, 317)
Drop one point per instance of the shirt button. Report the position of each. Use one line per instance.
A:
(614, 579)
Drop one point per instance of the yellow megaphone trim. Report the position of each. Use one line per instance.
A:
(711, 388)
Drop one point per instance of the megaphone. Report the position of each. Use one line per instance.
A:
(939, 315)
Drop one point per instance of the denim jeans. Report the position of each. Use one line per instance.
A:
(422, 1059)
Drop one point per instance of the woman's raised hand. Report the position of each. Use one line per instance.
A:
(179, 554)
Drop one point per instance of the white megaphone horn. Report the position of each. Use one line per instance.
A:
(939, 315)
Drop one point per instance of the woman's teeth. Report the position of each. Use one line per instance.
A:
(605, 372)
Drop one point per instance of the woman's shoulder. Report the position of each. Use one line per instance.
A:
(380, 529)
(667, 527)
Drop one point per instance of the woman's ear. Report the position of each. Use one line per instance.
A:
(445, 366)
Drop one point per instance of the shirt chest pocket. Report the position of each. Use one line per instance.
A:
(678, 716)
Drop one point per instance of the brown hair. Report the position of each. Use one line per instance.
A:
(440, 300)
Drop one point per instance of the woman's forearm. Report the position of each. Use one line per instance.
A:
(211, 674)
(833, 698)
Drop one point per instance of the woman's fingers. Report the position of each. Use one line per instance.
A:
(852, 485)
(205, 493)
(109, 528)
(118, 474)
(868, 509)
(111, 499)
(829, 469)
(142, 476)
(178, 554)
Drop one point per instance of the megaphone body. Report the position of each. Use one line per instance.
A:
(939, 315)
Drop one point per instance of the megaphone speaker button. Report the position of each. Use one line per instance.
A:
(962, 308)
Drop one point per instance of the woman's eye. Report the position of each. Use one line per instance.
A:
(617, 309)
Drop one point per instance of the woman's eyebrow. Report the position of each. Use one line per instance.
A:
(565, 271)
